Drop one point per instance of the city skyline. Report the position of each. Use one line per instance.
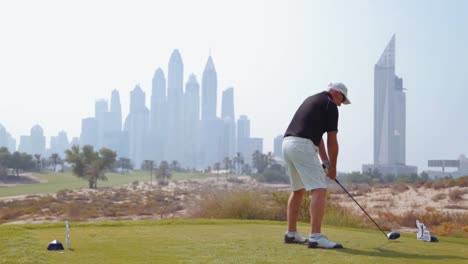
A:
(170, 129)
(55, 63)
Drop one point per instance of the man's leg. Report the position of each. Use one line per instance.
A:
(317, 209)
(294, 204)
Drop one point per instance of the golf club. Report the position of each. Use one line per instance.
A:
(391, 235)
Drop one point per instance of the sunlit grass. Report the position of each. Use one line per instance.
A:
(60, 181)
(213, 241)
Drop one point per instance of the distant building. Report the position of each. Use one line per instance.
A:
(228, 117)
(89, 132)
(112, 125)
(35, 143)
(6, 140)
(158, 117)
(58, 144)
(102, 118)
(191, 121)
(389, 118)
(211, 125)
(245, 144)
(138, 127)
(252, 145)
(174, 147)
(278, 146)
(25, 144)
(243, 127)
(75, 141)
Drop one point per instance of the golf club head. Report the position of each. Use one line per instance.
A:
(393, 235)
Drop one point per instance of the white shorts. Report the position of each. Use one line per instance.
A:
(302, 163)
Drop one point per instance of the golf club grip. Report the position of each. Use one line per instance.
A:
(344, 189)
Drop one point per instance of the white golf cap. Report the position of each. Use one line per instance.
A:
(340, 87)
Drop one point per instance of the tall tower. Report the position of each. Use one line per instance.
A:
(389, 110)
(228, 117)
(113, 125)
(212, 126)
(116, 110)
(38, 140)
(101, 108)
(158, 116)
(138, 124)
(192, 123)
(175, 107)
(209, 91)
(389, 118)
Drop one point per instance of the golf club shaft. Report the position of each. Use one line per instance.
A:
(342, 187)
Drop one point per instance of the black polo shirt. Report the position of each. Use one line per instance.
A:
(316, 115)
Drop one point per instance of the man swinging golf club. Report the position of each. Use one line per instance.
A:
(302, 144)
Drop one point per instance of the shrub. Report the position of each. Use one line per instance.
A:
(271, 175)
(235, 204)
(438, 197)
(457, 194)
(234, 180)
(401, 187)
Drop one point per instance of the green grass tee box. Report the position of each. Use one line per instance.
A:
(213, 241)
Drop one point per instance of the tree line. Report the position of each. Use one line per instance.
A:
(11, 164)
(375, 176)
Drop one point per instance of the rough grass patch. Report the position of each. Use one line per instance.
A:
(457, 194)
(438, 197)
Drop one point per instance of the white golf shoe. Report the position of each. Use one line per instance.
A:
(297, 238)
(321, 241)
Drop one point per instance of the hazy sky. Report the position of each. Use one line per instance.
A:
(58, 57)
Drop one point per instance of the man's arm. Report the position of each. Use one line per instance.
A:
(323, 152)
(332, 147)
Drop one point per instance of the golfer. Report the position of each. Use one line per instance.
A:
(302, 144)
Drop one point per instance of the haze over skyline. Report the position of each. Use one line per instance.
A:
(58, 58)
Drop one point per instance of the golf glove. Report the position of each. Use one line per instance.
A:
(326, 165)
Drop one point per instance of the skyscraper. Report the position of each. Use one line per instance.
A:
(116, 110)
(158, 116)
(138, 127)
(277, 146)
(174, 144)
(59, 143)
(212, 126)
(38, 140)
(209, 91)
(243, 138)
(6, 140)
(191, 123)
(112, 124)
(228, 117)
(101, 108)
(389, 117)
(89, 132)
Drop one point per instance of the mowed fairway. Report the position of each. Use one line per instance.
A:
(55, 182)
(213, 241)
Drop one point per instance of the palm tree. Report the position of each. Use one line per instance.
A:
(54, 159)
(246, 169)
(163, 171)
(259, 161)
(217, 166)
(270, 159)
(38, 161)
(175, 166)
(148, 165)
(227, 164)
(239, 161)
